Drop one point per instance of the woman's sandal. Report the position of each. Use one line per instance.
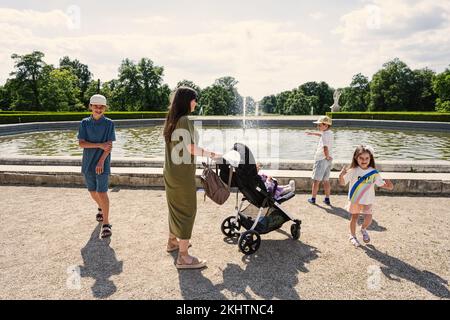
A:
(175, 247)
(99, 216)
(106, 231)
(195, 263)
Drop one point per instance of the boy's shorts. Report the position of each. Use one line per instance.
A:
(97, 182)
(321, 170)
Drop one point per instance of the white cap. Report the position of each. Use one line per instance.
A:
(98, 99)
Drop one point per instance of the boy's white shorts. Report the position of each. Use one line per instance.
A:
(321, 170)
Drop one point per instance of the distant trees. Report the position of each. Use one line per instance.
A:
(139, 86)
(441, 86)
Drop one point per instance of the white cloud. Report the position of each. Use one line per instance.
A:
(263, 56)
(317, 15)
(416, 32)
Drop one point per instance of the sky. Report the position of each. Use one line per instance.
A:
(268, 46)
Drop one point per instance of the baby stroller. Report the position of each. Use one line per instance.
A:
(241, 164)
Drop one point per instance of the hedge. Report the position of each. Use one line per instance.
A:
(9, 118)
(402, 116)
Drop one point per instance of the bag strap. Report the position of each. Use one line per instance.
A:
(360, 180)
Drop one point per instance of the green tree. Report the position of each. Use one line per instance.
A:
(6, 96)
(441, 86)
(216, 100)
(83, 74)
(280, 105)
(268, 104)
(356, 96)
(27, 75)
(392, 88)
(60, 92)
(300, 104)
(423, 97)
(229, 84)
(324, 95)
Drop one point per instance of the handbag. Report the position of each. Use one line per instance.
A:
(215, 188)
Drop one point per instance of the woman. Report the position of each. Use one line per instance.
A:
(179, 175)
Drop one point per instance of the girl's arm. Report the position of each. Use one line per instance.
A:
(388, 185)
(341, 176)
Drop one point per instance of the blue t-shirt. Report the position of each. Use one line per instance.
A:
(96, 131)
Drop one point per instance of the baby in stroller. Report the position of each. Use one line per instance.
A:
(240, 167)
(272, 184)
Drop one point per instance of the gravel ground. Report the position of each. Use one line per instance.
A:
(49, 235)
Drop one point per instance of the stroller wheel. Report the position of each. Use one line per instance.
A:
(295, 231)
(230, 225)
(249, 242)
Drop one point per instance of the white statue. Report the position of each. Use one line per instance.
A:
(336, 95)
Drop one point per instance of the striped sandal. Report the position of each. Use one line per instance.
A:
(106, 231)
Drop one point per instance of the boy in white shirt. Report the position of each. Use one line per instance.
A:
(322, 159)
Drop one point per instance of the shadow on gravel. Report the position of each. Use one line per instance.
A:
(392, 266)
(100, 263)
(340, 212)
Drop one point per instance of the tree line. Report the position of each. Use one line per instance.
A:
(34, 85)
(393, 88)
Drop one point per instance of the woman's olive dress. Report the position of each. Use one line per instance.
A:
(179, 180)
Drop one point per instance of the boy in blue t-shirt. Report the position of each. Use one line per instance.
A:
(95, 135)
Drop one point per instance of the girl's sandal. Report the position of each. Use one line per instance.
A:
(195, 264)
(106, 231)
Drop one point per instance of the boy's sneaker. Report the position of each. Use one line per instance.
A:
(327, 201)
(312, 200)
(365, 235)
(354, 241)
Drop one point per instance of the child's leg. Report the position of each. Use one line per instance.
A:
(104, 205)
(315, 188)
(96, 198)
(367, 221)
(327, 188)
(353, 222)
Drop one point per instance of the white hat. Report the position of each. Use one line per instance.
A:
(98, 99)
(324, 120)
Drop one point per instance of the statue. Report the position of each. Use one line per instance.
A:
(336, 95)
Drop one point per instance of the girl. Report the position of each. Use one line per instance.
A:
(363, 177)
(179, 175)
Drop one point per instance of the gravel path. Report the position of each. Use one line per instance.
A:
(47, 235)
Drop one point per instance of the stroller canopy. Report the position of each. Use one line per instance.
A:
(245, 177)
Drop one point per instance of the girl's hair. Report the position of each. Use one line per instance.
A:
(360, 150)
(180, 106)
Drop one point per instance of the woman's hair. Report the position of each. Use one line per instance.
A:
(360, 150)
(180, 106)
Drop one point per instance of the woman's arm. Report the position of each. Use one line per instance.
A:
(201, 152)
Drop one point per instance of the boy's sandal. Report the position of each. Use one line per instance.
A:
(106, 231)
(195, 264)
(175, 247)
(99, 217)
